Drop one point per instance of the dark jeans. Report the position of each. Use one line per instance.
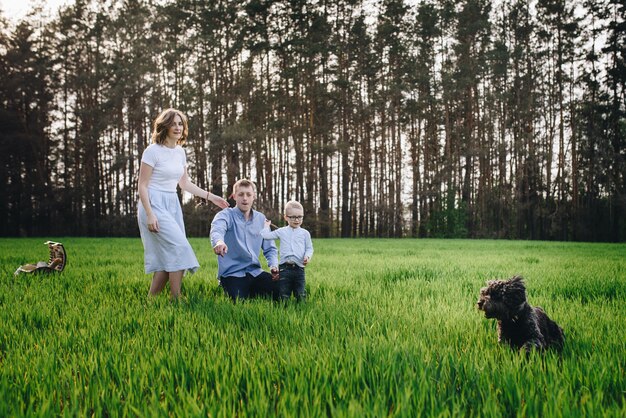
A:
(291, 281)
(250, 286)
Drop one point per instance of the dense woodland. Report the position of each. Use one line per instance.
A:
(468, 118)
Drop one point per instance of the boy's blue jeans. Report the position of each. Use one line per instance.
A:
(291, 281)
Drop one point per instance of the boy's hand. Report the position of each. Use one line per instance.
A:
(268, 223)
(275, 273)
(305, 261)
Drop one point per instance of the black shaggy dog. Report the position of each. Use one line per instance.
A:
(519, 324)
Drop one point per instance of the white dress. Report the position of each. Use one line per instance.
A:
(166, 250)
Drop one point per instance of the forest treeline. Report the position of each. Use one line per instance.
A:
(468, 118)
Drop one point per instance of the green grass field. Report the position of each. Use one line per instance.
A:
(390, 329)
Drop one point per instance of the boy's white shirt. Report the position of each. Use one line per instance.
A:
(295, 243)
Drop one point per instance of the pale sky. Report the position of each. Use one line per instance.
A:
(17, 9)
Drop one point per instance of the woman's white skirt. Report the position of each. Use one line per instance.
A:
(166, 250)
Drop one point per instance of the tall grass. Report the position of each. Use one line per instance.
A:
(389, 329)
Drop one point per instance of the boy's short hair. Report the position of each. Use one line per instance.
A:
(244, 183)
(293, 204)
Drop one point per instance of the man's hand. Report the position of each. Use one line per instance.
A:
(268, 223)
(220, 248)
(275, 273)
(305, 261)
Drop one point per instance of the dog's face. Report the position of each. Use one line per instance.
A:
(502, 299)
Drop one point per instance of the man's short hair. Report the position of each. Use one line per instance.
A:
(293, 204)
(244, 183)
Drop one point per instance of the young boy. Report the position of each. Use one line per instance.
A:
(296, 250)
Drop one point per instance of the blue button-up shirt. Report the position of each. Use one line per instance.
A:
(244, 241)
(295, 243)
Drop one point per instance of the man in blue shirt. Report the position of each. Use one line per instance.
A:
(236, 239)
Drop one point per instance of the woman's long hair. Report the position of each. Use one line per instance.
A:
(163, 122)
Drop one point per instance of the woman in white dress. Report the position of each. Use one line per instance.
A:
(167, 252)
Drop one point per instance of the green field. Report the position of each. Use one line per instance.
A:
(390, 329)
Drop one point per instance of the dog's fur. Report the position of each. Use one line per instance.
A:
(519, 324)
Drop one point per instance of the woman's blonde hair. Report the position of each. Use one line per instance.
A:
(163, 122)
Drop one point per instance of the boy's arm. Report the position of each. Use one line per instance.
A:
(308, 247)
(267, 233)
